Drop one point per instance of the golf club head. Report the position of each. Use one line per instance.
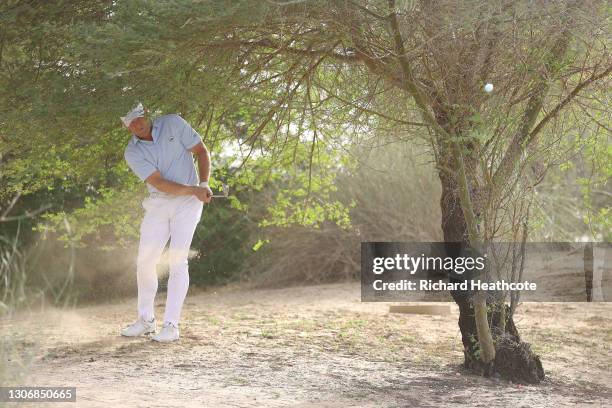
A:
(225, 194)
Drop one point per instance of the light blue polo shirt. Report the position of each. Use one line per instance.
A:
(168, 152)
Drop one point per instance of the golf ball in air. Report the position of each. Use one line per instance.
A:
(488, 88)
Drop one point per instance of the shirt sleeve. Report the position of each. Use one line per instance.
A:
(139, 165)
(186, 134)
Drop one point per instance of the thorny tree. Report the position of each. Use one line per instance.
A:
(424, 65)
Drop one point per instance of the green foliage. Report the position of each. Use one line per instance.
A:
(109, 219)
(224, 241)
(305, 191)
(596, 188)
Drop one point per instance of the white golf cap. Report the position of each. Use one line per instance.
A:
(137, 112)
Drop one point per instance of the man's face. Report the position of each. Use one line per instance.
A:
(140, 127)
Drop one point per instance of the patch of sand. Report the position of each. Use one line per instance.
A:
(315, 346)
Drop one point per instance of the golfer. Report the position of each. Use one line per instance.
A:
(160, 154)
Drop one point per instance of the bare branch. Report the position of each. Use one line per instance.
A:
(565, 101)
(373, 112)
(407, 77)
(280, 48)
(10, 206)
(534, 106)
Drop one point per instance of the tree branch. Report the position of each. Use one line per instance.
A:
(281, 49)
(565, 101)
(534, 106)
(373, 112)
(407, 76)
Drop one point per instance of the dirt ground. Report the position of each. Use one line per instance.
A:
(315, 346)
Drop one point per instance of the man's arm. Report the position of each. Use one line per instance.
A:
(170, 187)
(203, 156)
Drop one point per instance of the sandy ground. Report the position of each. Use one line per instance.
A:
(316, 346)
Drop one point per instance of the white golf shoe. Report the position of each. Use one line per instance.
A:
(169, 332)
(139, 327)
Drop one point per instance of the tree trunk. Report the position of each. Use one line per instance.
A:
(514, 359)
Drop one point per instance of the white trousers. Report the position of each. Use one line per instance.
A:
(174, 218)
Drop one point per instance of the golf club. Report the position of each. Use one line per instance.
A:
(225, 192)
